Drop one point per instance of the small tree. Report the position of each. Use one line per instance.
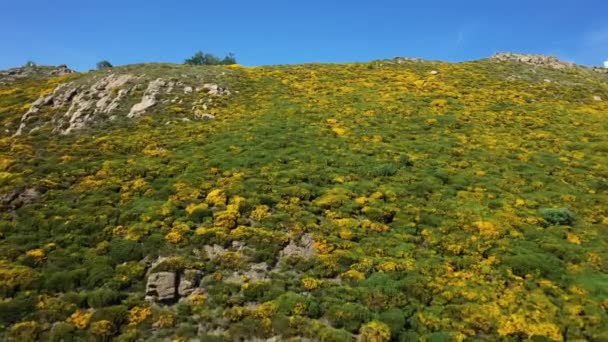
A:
(29, 64)
(104, 65)
(201, 58)
(229, 59)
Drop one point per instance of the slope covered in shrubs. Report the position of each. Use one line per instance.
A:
(392, 200)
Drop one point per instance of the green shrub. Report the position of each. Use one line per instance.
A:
(12, 310)
(558, 216)
(61, 331)
(103, 65)
(394, 318)
(117, 314)
(122, 250)
(385, 170)
(102, 297)
(349, 316)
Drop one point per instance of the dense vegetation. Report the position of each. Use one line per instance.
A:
(463, 204)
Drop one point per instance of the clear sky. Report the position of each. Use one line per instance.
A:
(80, 32)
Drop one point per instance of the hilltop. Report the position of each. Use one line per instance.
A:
(394, 200)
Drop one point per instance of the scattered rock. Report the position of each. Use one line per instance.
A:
(203, 116)
(213, 89)
(17, 198)
(256, 272)
(434, 72)
(188, 90)
(597, 98)
(214, 251)
(305, 249)
(189, 282)
(542, 60)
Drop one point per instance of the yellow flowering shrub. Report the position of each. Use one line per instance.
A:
(102, 328)
(138, 314)
(37, 254)
(310, 283)
(374, 331)
(164, 320)
(174, 237)
(353, 275)
(216, 197)
(80, 319)
(260, 212)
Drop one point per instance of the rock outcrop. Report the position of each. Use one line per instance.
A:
(162, 287)
(85, 104)
(305, 249)
(168, 287)
(76, 105)
(14, 74)
(540, 60)
(600, 70)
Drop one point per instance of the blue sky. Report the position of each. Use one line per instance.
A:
(80, 33)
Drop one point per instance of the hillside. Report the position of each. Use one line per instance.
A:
(398, 200)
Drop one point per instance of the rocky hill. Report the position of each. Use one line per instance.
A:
(395, 200)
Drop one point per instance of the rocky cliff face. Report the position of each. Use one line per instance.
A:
(78, 104)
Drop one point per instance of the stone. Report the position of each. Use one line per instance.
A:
(17, 198)
(188, 90)
(597, 98)
(203, 116)
(149, 98)
(213, 89)
(161, 287)
(189, 282)
(214, 251)
(434, 72)
(305, 249)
